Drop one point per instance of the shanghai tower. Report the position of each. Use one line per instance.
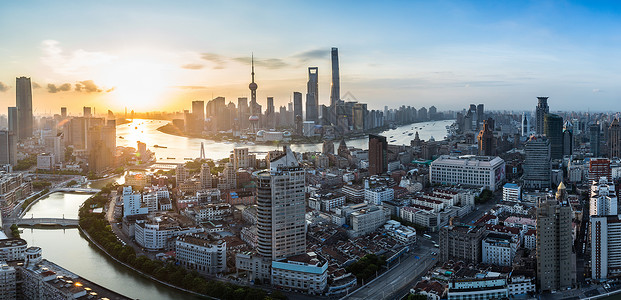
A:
(23, 99)
(335, 87)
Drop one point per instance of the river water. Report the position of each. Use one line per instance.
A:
(178, 148)
(71, 250)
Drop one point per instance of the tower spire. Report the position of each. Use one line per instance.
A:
(252, 63)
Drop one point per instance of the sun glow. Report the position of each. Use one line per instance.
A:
(138, 84)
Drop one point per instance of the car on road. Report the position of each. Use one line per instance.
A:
(434, 253)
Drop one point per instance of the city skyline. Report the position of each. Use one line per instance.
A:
(446, 54)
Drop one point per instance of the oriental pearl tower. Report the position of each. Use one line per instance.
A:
(255, 109)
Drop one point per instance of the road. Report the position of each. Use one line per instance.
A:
(401, 277)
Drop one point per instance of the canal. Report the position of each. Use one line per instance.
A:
(71, 250)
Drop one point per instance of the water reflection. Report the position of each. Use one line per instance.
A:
(178, 148)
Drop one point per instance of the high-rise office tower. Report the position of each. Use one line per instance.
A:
(86, 112)
(335, 86)
(568, 139)
(603, 199)
(359, 116)
(487, 141)
(63, 112)
(253, 93)
(327, 147)
(198, 110)
(312, 95)
(526, 124)
(297, 104)
(205, 175)
(378, 156)
(542, 110)
(594, 139)
(556, 268)
(270, 111)
(242, 112)
(553, 130)
(13, 121)
(481, 114)
(614, 139)
(281, 228)
(8, 148)
(23, 95)
(537, 168)
(422, 114)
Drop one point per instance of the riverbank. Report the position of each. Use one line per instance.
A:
(145, 275)
(99, 232)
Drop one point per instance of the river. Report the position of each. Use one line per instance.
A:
(71, 250)
(178, 147)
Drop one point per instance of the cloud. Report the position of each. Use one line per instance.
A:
(77, 61)
(192, 66)
(110, 90)
(312, 55)
(52, 88)
(4, 87)
(596, 90)
(191, 87)
(218, 60)
(36, 85)
(87, 86)
(270, 63)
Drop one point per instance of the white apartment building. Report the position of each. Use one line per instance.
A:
(603, 198)
(605, 247)
(468, 170)
(13, 249)
(367, 220)
(420, 216)
(132, 203)
(530, 239)
(46, 161)
(8, 282)
(208, 212)
(403, 234)
(307, 273)
(485, 288)
(327, 202)
(436, 205)
(511, 192)
(201, 252)
(498, 249)
(378, 195)
(156, 234)
(152, 196)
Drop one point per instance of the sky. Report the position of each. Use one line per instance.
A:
(161, 55)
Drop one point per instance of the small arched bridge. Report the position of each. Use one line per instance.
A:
(79, 190)
(47, 222)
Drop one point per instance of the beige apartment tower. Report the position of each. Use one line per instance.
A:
(556, 268)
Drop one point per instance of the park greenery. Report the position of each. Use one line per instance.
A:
(26, 163)
(15, 231)
(485, 196)
(41, 184)
(366, 267)
(100, 231)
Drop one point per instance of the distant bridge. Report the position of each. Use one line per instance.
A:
(165, 165)
(47, 221)
(79, 190)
